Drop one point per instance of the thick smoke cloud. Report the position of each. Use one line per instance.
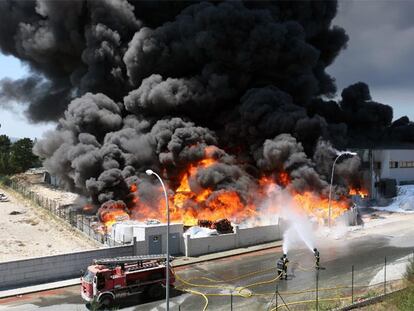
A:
(163, 85)
(285, 154)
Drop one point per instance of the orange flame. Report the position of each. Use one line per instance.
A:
(188, 205)
(88, 208)
(318, 207)
(111, 212)
(361, 192)
(283, 179)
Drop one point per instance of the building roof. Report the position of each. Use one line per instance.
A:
(383, 146)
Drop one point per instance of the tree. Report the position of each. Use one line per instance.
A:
(21, 155)
(5, 168)
(5, 144)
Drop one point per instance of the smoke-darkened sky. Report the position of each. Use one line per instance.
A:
(165, 85)
(379, 53)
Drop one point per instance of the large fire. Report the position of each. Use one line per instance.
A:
(188, 205)
(111, 212)
(363, 193)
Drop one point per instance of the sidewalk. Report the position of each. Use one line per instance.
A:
(178, 262)
(38, 288)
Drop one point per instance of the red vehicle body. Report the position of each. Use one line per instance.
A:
(110, 279)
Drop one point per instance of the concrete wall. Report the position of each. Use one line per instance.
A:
(240, 238)
(141, 248)
(40, 270)
(257, 235)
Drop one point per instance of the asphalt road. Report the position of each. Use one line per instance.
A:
(365, 251)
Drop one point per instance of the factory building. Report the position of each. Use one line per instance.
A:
(385, 168)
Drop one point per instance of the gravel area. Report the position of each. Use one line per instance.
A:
(27, 231)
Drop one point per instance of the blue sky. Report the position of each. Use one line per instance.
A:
(379, 53)
(13, 123)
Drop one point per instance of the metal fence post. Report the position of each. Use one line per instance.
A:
(277, 294)
(317, 289)
(231, 301)
(352, 285)
(385, 275)
(179, 307)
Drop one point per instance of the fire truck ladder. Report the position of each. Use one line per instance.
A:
(130, 259)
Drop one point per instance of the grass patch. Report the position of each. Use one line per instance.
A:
(5, 180)
(402, 300)
(409, 271)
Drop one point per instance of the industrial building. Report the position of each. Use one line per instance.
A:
(385, 168)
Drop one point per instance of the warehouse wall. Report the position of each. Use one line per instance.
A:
(40, 270)
(240, 238)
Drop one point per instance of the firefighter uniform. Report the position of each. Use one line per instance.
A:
(317, 258)
(280, 266)
(285, 264)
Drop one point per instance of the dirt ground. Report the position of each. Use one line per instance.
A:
(35, 183)
(27, 231)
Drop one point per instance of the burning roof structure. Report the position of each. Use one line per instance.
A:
(227, 100)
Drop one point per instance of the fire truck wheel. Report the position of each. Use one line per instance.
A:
(106, 300)
(155, 291)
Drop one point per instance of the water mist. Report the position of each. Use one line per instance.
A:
(297, 224)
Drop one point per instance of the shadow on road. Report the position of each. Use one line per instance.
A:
(132, 301)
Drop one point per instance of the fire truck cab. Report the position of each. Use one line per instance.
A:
(107, 280)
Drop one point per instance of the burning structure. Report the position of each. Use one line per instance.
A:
(229, 101)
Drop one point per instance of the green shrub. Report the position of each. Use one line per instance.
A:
(5, 180)
(409, 271)
(404, 300)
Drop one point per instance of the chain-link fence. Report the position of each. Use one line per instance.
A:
(330, 288)
(88, 225)
(328, 293)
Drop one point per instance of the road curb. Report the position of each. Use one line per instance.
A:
(38, 288)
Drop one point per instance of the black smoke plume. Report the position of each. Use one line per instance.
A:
(163, 84)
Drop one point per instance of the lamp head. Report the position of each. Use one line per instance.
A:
(149, 172)
(339, 153)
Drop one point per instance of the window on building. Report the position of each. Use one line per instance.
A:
(377, 165)
(393, 164)
(407, 164)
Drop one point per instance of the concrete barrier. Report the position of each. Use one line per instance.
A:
(240, 238)
(258, 235)
(40, 270)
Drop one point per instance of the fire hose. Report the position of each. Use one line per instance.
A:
(249, 294)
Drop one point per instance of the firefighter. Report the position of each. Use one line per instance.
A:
(285, 264)
(317, 257)
(280, 266)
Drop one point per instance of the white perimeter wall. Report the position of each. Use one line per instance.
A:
(240, 238)
(14, 274)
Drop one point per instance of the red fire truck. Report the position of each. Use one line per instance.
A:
(111, 278)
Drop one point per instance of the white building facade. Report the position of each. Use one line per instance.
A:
(395, 164)
(381, 165)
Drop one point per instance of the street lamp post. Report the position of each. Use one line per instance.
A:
(332, 175)
(167, 266)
